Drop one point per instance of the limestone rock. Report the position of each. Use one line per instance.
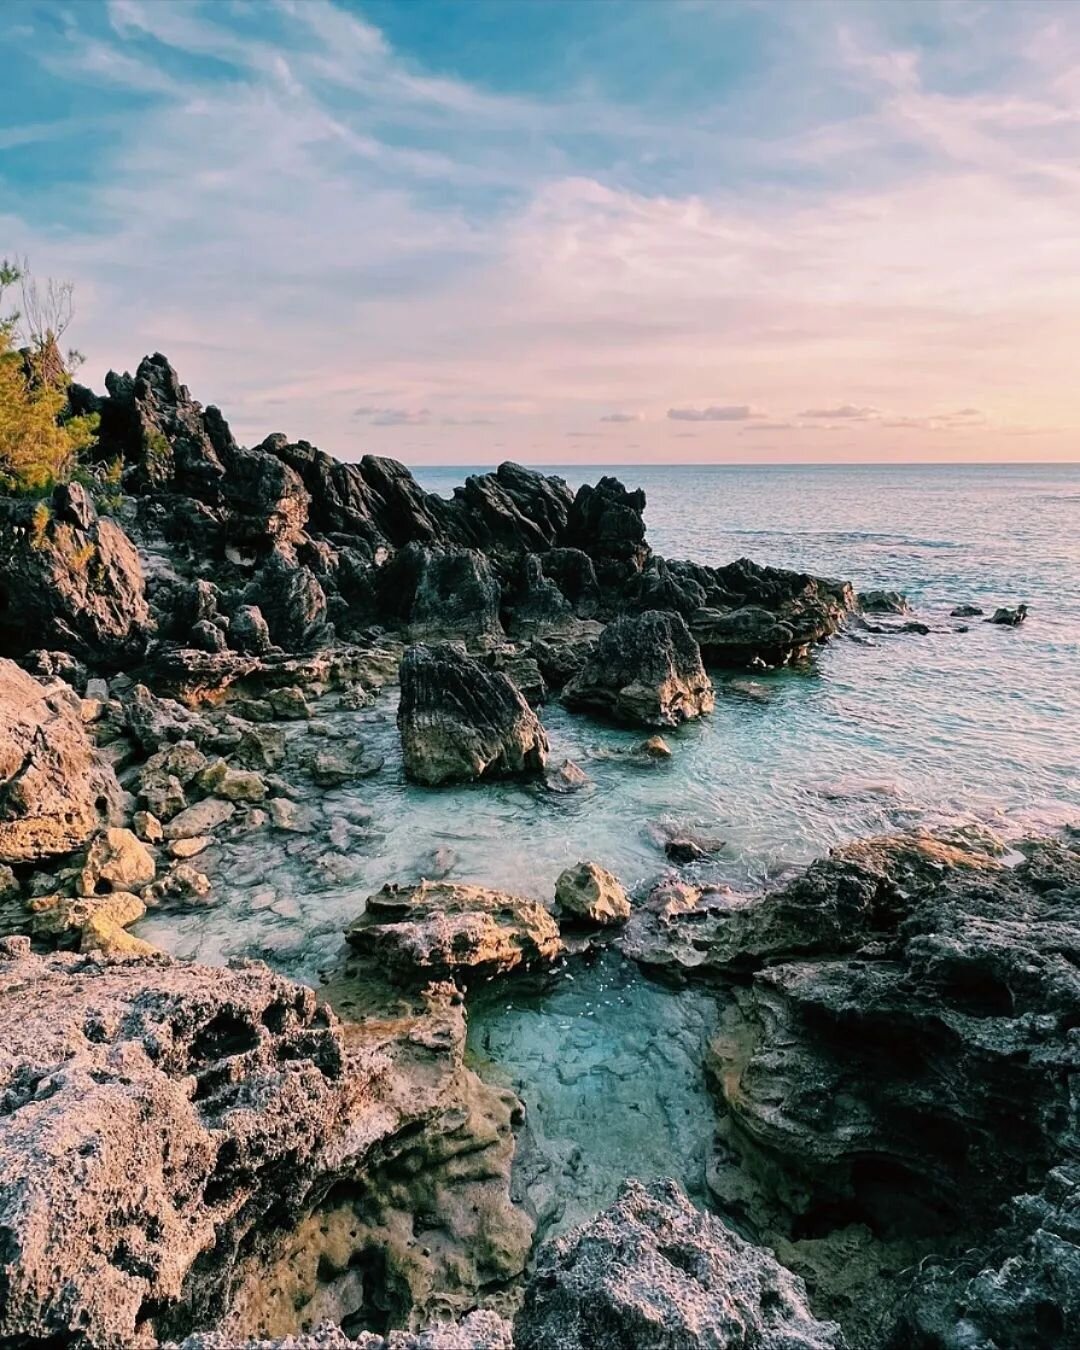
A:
(56, 791)
(233, 785)
(883, 602)
(459, 720)
(655, 1273)
(291, 601)
(645, 670)
(440, 928)
(590, 892)
(202, 818)
(116, 861)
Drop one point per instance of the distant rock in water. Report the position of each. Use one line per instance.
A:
(653, 1273)
(884, 602)
(70, 580)
(645, 670)
(1009, 618)
(460, 720)
(966, 611)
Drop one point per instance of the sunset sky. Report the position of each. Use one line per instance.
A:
(458, 231)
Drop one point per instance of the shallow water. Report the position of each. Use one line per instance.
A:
(983, 724)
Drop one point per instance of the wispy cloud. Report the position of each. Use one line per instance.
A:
(731, 412)
(622, 417)
(844, 412)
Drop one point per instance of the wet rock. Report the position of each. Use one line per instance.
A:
(590, 892)
(202, 818)
(334, 767)
(655, 1273)
(292, 817)
(440, 929)
(262, 747)
(77, 587)
(233, 785)
(1009, 618)
(884, 602)
(249, 631)
(654, 748)
(56, 791)
(566, 777)
(459, 720)
(966, 611)
(116, 861)
(289, 703)
(645, 670)
(189, 848)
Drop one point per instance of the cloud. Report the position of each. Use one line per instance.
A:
(394, 417)
(738, 412)
(845, 412)
(622, 417)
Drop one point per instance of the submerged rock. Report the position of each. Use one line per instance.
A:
(459, 720)
(645, 670)
(884, 602)
(440, 928)
(654, 1273)
(56, 791)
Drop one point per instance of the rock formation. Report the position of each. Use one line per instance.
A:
(591, 893)
(655, 1273)
(440, 929)
(645, 670)
(460, 720)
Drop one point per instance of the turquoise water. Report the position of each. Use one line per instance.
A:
(982, 725)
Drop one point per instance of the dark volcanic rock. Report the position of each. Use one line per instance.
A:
(654, 1273)
(645, 670)
(69, 580)
(55, 790)
(439, 929)
(608, 524)
(291, 601)
(1009, 618)
(537, 605)
(249, 632)
(572, 571)
(884, 602)
(442, 592)
(460, 720)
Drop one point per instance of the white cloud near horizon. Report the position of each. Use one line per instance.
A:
(331, 221)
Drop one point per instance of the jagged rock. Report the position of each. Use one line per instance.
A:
(566, 777)
(89, 922)
(234, 785)
(572, 571)
(646, 670)
(654, 748)
(116, 861)
(289, 703)
(148, 827)
(590, 892)
(607, 523)
(442, 929)
(443, 592)
(154, 721)
(522, 671)
(262, 747)
(655, 1273)
(208, 637)
(291, 601)
(560, 657)
(1009, 618)
(249, 631)
(966, 611)
(884, 602)
(153, 1112)
(538, 605)
(478, 1331)
(56, 791)
(459, 720)
(74, 587)
(181, 884)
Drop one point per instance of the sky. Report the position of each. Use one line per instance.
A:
(568, 231)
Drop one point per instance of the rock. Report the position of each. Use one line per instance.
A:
(116, 861)
(566, 777)
(459, 720)
(654, 1273)
(444, 593)
(56, 791)
(588, 891)
(441, 929)
(289, 703)
(93, 922)
(538, 605)
(75, 587)
(249, 631)
(646, 670)
(1009, 618)
(654, 748)
(291, 816)
(234, 785)
(966, 611)
(572, 571)
(884, 602)
(154, 1112)
(189, 848)
(292, 603)
(262, 747)
(560, 657)
(478, 1331)
(182, 883)
(607, 523)
(154, 722)
(207, 637)
(333, 768)
(684, 848)
(147, 826)
(202, 818)
(522, 671)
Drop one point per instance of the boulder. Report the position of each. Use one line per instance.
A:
(591, 893)
(966, 611)
(607, 522)
(645, 670)
(249, 631)
(76, 587)
(441, 929)
(654, 1273)
(538, 605)
(202, 818)
(56, 791)
(442, 592)
(116, 861)
(459, 720)
(292, 603)
(883, 602)
(1009, 618)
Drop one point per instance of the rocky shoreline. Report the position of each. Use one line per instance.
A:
(215, 1157)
